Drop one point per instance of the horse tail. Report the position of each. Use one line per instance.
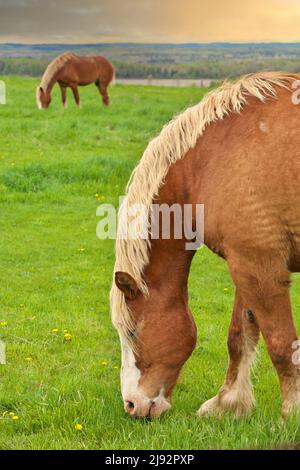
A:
(113, 79)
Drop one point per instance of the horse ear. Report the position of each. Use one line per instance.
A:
(127, 285)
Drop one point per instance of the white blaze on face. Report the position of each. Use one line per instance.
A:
(38, 98)
(130, 374)
(131, 391)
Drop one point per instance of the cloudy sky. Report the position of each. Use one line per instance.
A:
(149, 20)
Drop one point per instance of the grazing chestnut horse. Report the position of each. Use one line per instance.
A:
(238, 153)
(71, 70)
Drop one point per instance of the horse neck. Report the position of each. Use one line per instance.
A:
(170, 260)
(169, 267)
(50, 84)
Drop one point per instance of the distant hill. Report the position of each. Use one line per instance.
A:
(181, 53)
(215, 60)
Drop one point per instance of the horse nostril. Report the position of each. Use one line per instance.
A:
(129, 406)
(152, 406)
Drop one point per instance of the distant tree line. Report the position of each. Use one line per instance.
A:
(23, 66)
(215, 69)
(205, 68)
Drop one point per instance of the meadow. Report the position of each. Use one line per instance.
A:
(60, 386)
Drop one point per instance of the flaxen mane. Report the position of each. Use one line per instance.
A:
(175, 139)
(54, 66)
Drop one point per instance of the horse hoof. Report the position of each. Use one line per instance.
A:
(209, 408)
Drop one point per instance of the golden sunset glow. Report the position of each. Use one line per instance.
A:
(150, 20)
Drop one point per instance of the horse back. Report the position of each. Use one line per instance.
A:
(85, 70)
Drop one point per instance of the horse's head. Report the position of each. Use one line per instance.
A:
(43, 98)
(163, 336)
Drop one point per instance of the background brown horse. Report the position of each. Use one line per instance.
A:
(71, 70)
(237, 153)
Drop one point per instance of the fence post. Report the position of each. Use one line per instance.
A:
(2, 92)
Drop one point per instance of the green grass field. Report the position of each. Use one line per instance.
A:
(62, 352)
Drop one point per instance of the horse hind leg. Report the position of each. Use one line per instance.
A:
(236, 394)
(102, 87)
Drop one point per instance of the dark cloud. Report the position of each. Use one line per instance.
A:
(148, 20)
(74, 20)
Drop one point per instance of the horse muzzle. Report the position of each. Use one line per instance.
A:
(142, 407)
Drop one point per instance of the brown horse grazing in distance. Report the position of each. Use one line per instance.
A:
(71, 70)
(237, 153)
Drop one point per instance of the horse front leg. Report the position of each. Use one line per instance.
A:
(278, 329)
(63, 90)
(76, 95)
(265, 285)
(236, 394)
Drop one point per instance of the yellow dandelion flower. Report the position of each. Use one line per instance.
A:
(33, 317)
(3, 324)
(28, 359)
(67, 336)
(104, 363)
(22, 305)
(226, 290)
(116, 367)
(55, 330)
(5, 413)
(15, 418)
(78, 427)
(11, 414)
(189, 430)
